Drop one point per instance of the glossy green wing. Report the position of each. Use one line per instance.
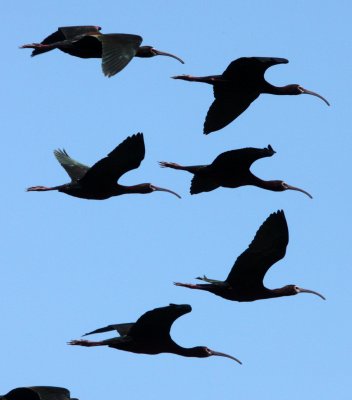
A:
(75, 169)
(118, 51)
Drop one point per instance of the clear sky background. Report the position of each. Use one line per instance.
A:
(70, 266)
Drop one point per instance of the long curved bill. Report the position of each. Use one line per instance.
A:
(306, 91)
(312, 292)
(162, 53)
(218, 353)
(159, 189)
(289, 187)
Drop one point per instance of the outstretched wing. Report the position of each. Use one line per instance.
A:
(126, 156)
(240, 159)
(202, 183)
(268, 247)
(38, 393)
(226, 107)
(122, 329)
(235, 95)
(65, 33)
(75, 169)
(118, 51)
(71, 32)
(155, 325)
(247, 71)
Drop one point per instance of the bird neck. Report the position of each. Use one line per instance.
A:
(197, 351)
(287, 290)
(144, 52)
(279, 90)
(273, 185)
(141, 188)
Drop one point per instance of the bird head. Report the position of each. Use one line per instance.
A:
(293, 290)
(145, 188)
(280, 186)
(202, 352)
(298, 89)
(149, 51)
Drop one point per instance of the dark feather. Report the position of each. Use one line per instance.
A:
(268, 247)
(155, 325)
(126, 156)
(118, 51)
(75, 169)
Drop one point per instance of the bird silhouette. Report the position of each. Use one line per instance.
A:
(231, 170)
(99, 181)
(115, 49)
(239, 85)
(151, 335)
(38, 393)
(245, 280)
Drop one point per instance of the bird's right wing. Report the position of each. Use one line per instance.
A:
(122, 329)
(156, 324)
(126, 156)
(268, 247)
(227, 106)
(202, 183)
(118, 51)
(75, 169)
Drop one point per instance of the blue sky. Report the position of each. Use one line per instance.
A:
(70, 266)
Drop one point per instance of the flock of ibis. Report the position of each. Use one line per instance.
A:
(234, 90)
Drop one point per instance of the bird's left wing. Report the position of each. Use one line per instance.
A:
(247, 71)
(126, 156)
(118, 51)
(156, 324)
(72, 32)
(240, 159)
(122, 329)
(75, 169)
(268, 247)
(38, 393)
(227, 106)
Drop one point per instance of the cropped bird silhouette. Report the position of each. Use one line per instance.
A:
(115, 49)
(99, 181)
(231, 170)
(151, 335)
(240, 84)
(245, 280)
(38, 393)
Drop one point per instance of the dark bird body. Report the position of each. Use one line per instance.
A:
(38, 393)
(231, 170)
(115, 49)
(245, 280)
(239, 85)
(151, 335)
(99, 181)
